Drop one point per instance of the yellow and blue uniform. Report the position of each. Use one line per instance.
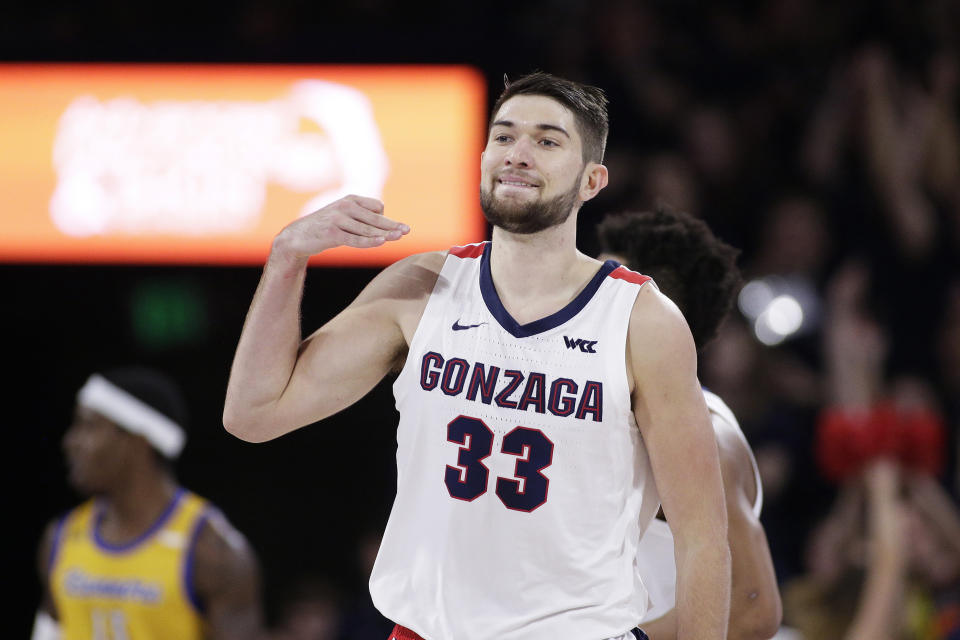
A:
(140, 590)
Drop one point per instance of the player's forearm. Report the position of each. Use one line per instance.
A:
(757, 620)
(755, 606)
(754, 617)
(703, 590)
(267, 350)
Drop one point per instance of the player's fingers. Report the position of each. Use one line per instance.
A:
(363, 242)
(378, 220)
(370, 204)
(355, 227)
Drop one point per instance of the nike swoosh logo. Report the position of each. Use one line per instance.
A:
(460, 327)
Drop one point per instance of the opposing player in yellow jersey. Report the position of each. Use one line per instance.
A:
(143, 558)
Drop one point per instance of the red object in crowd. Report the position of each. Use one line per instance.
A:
(847, 440)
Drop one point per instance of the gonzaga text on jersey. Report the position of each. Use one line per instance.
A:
(511, 388)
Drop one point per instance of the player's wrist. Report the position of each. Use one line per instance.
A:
(285, 255)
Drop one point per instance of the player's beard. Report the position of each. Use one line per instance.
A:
(532, 217)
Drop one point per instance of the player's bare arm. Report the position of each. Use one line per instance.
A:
(343, 360)
(226, 579)
(674, 421)
(755, 607)
(278, 382)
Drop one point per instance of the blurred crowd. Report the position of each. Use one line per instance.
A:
(823, 140)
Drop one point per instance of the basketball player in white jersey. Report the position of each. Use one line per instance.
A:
(548, 402)
(698, 272)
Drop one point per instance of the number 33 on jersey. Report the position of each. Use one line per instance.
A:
(506, 429)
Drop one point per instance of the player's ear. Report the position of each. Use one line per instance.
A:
(595, 177)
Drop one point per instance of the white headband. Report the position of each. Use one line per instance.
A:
(132, 414)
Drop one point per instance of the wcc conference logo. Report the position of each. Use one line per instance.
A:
(586, 346)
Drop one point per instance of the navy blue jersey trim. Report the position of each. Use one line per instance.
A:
(517, 330)
(127, 546)
(638, 634)
(57, 542)
(187, 569)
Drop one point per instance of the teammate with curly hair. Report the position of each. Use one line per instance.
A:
(698, 271)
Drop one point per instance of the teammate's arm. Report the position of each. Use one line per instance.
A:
(45, 625)
(278, 383)
(673, 419)
(755, 607)
(226, 580)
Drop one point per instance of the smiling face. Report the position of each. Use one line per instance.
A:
(533, 175)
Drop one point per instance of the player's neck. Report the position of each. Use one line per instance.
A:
(537, 274)
(133, 508)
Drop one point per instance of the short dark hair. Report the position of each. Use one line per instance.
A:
(588, 104)
(689, 264)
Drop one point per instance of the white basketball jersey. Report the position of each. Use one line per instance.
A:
(656, 555)
(523, 485)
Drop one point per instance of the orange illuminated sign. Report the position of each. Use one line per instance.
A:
(204, 164)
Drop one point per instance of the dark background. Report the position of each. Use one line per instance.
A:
(305, 500)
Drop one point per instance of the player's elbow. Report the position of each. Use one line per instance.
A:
(237, 429)
(242, 426)
(260, 422)
(759, 620)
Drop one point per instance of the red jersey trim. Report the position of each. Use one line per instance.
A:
(402, 633)
(622, 273)
(468, 251)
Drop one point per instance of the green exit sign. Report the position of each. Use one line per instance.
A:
(167, 314)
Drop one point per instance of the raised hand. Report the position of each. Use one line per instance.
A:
(352, 221)
(855, 344)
